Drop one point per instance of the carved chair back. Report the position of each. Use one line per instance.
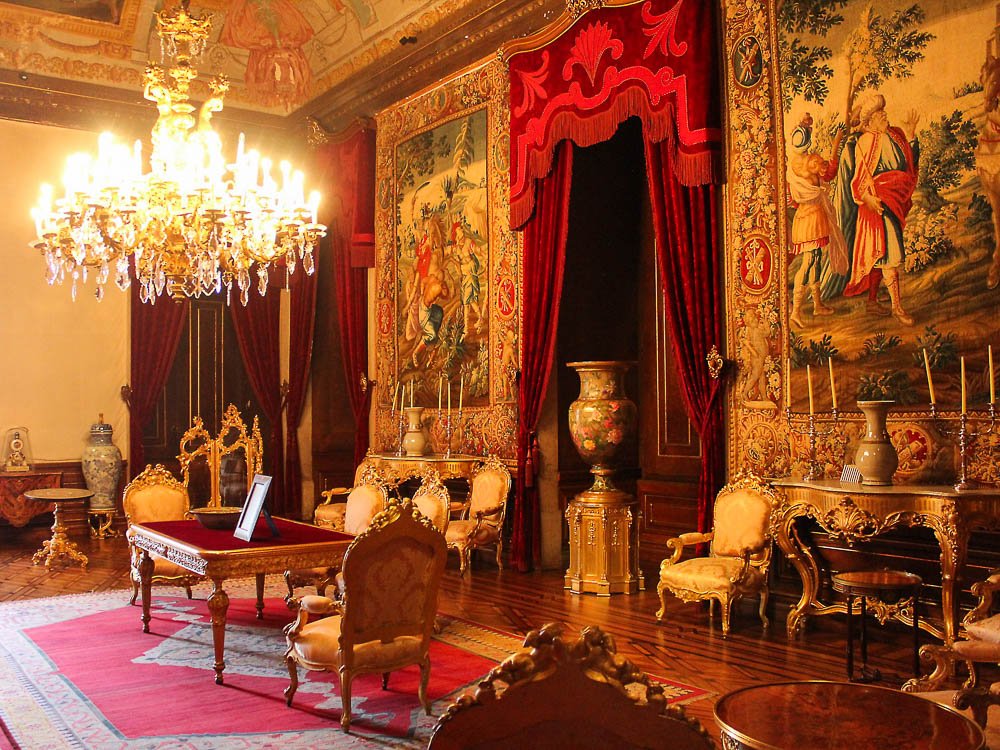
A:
(563, 693)
(743, 511)
(433, 501)
(155, 495)
(392, 573)
(489, 486)
(368, 497)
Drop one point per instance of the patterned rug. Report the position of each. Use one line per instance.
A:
(77, 672)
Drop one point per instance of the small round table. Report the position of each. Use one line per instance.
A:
(59, 546)
(886, 586)
(799, 715)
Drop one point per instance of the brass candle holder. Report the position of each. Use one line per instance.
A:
(814, 432)
(965, 437)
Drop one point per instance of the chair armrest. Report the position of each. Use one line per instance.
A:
(488, 512)
(678, 543)
(984, 591)
(329, 494)
(745, 555)
(315, 605)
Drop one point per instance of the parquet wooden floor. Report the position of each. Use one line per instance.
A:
(686, 647)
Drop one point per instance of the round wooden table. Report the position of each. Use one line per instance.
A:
(59, 546)
(815, 714)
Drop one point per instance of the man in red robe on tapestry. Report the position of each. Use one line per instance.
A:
(875, 184)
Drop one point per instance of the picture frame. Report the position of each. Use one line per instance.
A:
(253, 507)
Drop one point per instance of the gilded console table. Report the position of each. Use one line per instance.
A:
(396, 469)
(857, 513)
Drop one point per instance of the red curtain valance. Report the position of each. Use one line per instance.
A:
(656, 60)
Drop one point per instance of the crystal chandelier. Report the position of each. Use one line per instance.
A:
(194, 224)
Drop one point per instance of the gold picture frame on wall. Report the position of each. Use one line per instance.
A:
(447, 266)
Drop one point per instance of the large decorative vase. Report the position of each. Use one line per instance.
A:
(603, 520)
(876, 457)
(102, 466)
(414, 441)
(602, 419)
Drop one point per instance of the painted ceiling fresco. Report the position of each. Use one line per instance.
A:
(278, 54)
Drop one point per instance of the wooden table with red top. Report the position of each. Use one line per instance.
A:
(218, 555)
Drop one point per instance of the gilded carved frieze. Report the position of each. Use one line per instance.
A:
(447, 266)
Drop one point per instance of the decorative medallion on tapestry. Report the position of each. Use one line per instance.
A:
(582, 77)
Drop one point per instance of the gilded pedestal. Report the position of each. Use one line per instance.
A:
(604, 544)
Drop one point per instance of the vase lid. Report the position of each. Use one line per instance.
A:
(100, 427)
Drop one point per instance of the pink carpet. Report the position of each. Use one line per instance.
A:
(78, 672)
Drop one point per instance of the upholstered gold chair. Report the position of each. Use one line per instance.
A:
(559, 693)
(155, 495)
(367, 498)
(433, 501)
(488, 489)
(391, 574)
(739, 556)
(980, 644)
(351, 509)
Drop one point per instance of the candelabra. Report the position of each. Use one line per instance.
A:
(446, 421)
(965, 438)
(814, 432)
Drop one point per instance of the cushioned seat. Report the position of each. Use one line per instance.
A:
(488, 490)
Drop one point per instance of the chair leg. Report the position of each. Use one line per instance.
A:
(345, 698)
(726, 604)
(763, 608)
(660, 590)
(321, 588)
(135, 592)
(188, 590)
(385, 680)
(288, 584)
(500, 555)
(425, 676)
(293, 685)
(463, 561)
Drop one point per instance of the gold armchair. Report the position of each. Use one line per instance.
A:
(488, 490)
(739, 557)
(367, 498)
(981, 645)
(391, 575)
(433, 501)
(359, 505)
(155, 495)
(558, 692)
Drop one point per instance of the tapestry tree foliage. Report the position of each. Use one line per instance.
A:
(803, 66)
(947, 149)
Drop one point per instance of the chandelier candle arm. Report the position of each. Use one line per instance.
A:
(195, 223)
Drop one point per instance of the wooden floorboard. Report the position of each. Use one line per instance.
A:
(685, 647)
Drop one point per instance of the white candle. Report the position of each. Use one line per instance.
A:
(833, 385)
(411, 394)
(461, 390)
(439, 395)
(993, 384)
(788, 383)
(930, 383)
(809, 384)
(449, 399)
(962, 361)
(395, 397)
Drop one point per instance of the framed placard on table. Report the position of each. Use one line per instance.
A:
(252, 509)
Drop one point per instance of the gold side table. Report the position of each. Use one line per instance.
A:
(59, 546)
(100, 521)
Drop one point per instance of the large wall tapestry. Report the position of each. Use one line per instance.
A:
(886, 172)
(446, 270)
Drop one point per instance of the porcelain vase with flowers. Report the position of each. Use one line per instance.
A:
(602, 419)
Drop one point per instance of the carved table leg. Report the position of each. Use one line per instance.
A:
(145, 586)
(800, 557)
(218, 605)
(260, 596)
(954, 544)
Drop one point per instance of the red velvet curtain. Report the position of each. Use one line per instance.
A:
(350, 174)
(543, 263)
(690, 259)
(257, 332)
(155, 331)
(302, 320)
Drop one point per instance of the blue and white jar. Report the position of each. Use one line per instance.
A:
(102, 466)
